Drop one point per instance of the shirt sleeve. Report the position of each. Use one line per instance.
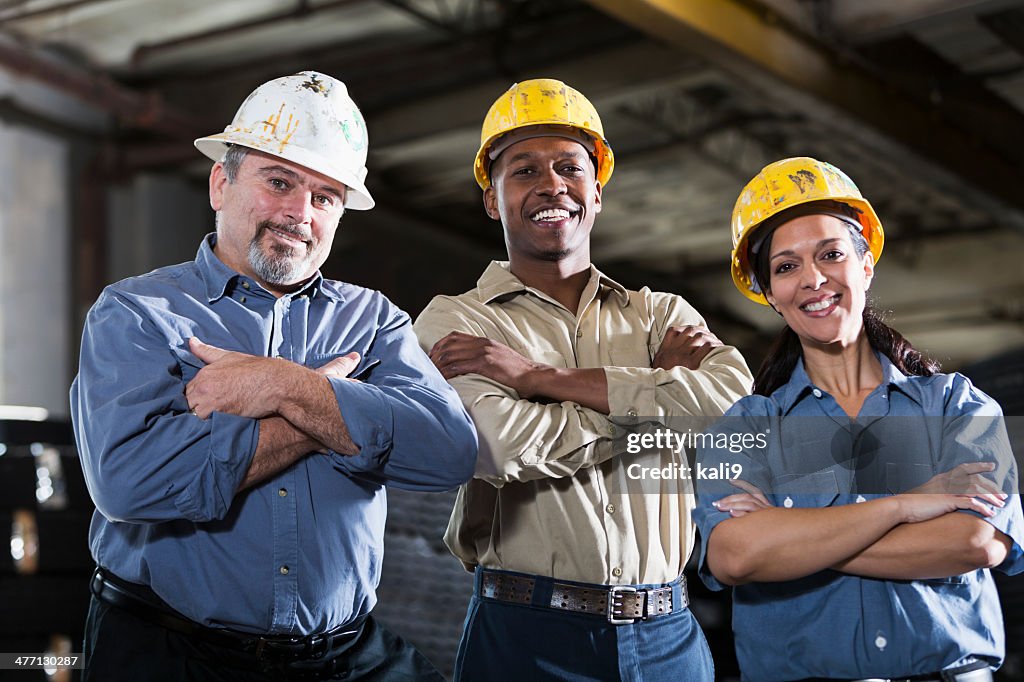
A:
(520, 440)
(735, 447)
(649, 393)
(146, 459)
(411, 428)
(974, 430)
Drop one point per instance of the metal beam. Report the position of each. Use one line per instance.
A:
(301, 10)
(754, 45)
(45, 11)
(139, 110)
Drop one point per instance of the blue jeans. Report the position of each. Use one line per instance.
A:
(506, 641)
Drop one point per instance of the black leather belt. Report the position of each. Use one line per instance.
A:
(618, 604)
(141, 602)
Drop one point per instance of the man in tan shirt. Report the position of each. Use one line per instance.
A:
(577, 569)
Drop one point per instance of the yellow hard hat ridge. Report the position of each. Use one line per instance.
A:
(783, 185)
(542, 102)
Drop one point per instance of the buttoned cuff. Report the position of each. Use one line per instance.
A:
(370, 422)
(233, 441)
(711, 518)
(631, 393)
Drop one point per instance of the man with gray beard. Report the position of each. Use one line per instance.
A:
(238, 417)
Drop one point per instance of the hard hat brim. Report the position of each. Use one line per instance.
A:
(357, 197)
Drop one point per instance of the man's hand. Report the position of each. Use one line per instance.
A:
(684, 347)
(340, 368)
(235, 383)
(457, 354)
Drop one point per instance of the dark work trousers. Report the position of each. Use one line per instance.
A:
(121, 647)
(503, 641)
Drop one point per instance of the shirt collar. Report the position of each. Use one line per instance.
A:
(498, 281)
(218, 277)
(799, 383)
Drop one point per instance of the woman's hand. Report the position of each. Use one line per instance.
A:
(965, 479)
(917, 507)
(741, 504)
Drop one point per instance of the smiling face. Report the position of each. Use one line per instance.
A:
(276, 222)
(817, 281)
(546, 196)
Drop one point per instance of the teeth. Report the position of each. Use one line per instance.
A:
(551, 214)
(286, 235)
(820, 305)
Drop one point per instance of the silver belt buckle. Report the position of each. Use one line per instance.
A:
(615, 604)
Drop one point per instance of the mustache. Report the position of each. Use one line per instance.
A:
(289, 229)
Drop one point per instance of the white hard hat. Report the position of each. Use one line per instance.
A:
(307, 119)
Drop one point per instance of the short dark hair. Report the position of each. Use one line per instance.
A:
(232, 160)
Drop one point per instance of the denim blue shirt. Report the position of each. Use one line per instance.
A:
(836, 625)
(300, 552)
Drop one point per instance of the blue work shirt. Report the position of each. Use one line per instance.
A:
(832, 624)
(300, 552)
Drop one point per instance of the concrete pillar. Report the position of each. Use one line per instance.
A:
(35, 281)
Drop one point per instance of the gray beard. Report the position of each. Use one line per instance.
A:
(277, 267)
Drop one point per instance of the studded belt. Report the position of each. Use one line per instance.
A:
(618, 604)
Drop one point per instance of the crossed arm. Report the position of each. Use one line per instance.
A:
(538, 421)
(296, 407)
(916, 535)
(458, 353)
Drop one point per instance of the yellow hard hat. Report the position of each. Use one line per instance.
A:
(542, 102)
(785, 184)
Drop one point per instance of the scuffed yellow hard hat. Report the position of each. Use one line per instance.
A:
(542, 102)
(785, 184)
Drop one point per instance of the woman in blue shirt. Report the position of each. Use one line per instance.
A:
(879, 492)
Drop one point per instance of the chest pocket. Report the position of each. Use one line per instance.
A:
(547, 357)
(806, 491)
(902, 476)
(626, 353)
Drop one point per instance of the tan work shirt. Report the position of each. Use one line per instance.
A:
(549, 496)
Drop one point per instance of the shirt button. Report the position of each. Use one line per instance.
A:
(242, 299)
(817, 393)
(860, 498)
(610, 509)
(617, 571)
(611, 430)
(284, 570)
(631, 413)
(283, 492)
(579, 333)
(245, 285)
(538, 443)
(788, 502)
(881, 642)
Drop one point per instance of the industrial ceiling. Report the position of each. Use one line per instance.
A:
(920, 101)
